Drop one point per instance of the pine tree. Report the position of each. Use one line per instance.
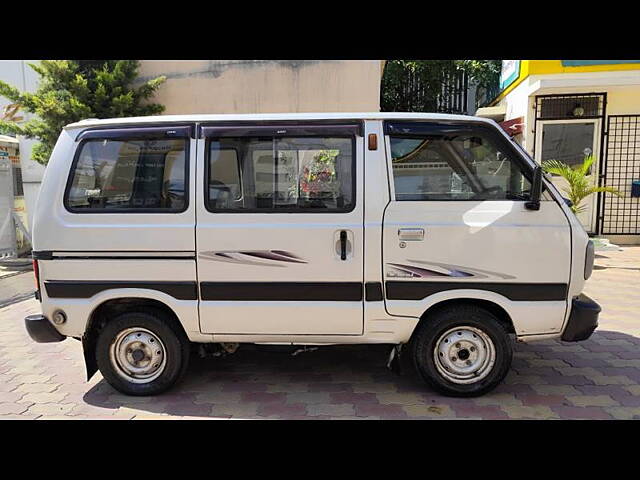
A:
(72, 90)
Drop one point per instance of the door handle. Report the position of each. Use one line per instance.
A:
(411, 234)
(343, 244)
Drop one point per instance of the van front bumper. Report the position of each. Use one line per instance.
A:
(583, 319)
(41, 330)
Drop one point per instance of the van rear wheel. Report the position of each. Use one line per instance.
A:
(142, 353)
(462, 351)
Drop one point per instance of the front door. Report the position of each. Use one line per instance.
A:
(570, 141)
(457, 221)
(280, 229)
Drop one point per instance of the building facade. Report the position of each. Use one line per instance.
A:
(567, 109)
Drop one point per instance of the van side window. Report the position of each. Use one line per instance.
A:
(294, 174)
(454, 165)
(129, 175)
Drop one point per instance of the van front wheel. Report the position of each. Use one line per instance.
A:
(462, 351)
(142, 353)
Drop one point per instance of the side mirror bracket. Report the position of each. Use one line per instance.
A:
(536, 190)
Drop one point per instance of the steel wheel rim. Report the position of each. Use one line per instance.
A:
(138, 355)
(464, 355)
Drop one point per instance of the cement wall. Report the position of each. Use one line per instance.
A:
(266, 86)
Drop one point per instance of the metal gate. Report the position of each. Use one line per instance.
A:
(621, 215)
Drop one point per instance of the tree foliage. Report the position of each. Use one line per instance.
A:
(579, 186)
(417, 85)
(485, 73)
(72, 90)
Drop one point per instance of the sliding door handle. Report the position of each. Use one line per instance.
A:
(411, 234)
(343, 244)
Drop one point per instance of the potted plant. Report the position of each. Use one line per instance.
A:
(580, 186)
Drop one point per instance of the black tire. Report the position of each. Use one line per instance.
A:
(176, 347)
(437, 325)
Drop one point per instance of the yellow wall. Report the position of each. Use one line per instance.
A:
(546, 67)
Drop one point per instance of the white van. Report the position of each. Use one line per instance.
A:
(434, 232)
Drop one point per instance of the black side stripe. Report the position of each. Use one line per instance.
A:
(373, 291)
(307, 291)
(513, 291)
(87, 289)
(48, 255)
(282, 291)
(123, 257)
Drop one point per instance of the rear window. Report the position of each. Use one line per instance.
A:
(137, 175)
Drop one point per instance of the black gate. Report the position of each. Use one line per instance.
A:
(621, 215)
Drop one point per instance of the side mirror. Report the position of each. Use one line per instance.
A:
(536, 190)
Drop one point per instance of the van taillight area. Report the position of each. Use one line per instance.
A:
(36, 274)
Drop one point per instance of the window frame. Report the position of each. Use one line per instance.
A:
(392, 129)
(128, 134)
(272, 132)
(207, 170)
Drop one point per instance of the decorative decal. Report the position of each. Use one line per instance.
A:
(396, 270)
(253, 257)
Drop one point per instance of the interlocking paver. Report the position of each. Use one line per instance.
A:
(633, 389)
(548, 400)
(335, 410)
(595, 379)
(582, 413)
(383, 411)
(288, 388)
(9, 397)
(217, 397)
(40, 388)
(51, 408)
(242, 410)
(498, 399)
(476, 412)
(8, 408)
(611, 380)
(624, 413)
(43, 397)
(375, 387)
(400, 398)
(592, 400)
(309, 397)
(429, 411)
(537, 412)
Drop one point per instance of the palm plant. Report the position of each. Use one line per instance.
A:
(580, 186)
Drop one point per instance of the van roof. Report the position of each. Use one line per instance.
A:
(94, 122)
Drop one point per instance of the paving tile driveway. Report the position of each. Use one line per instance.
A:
(596, 379)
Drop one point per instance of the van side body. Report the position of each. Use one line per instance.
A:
(310, 229)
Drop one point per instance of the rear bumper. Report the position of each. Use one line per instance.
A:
(583, 319)
(41, 330)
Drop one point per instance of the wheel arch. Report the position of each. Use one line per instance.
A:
(113, 307)
(497, 310)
